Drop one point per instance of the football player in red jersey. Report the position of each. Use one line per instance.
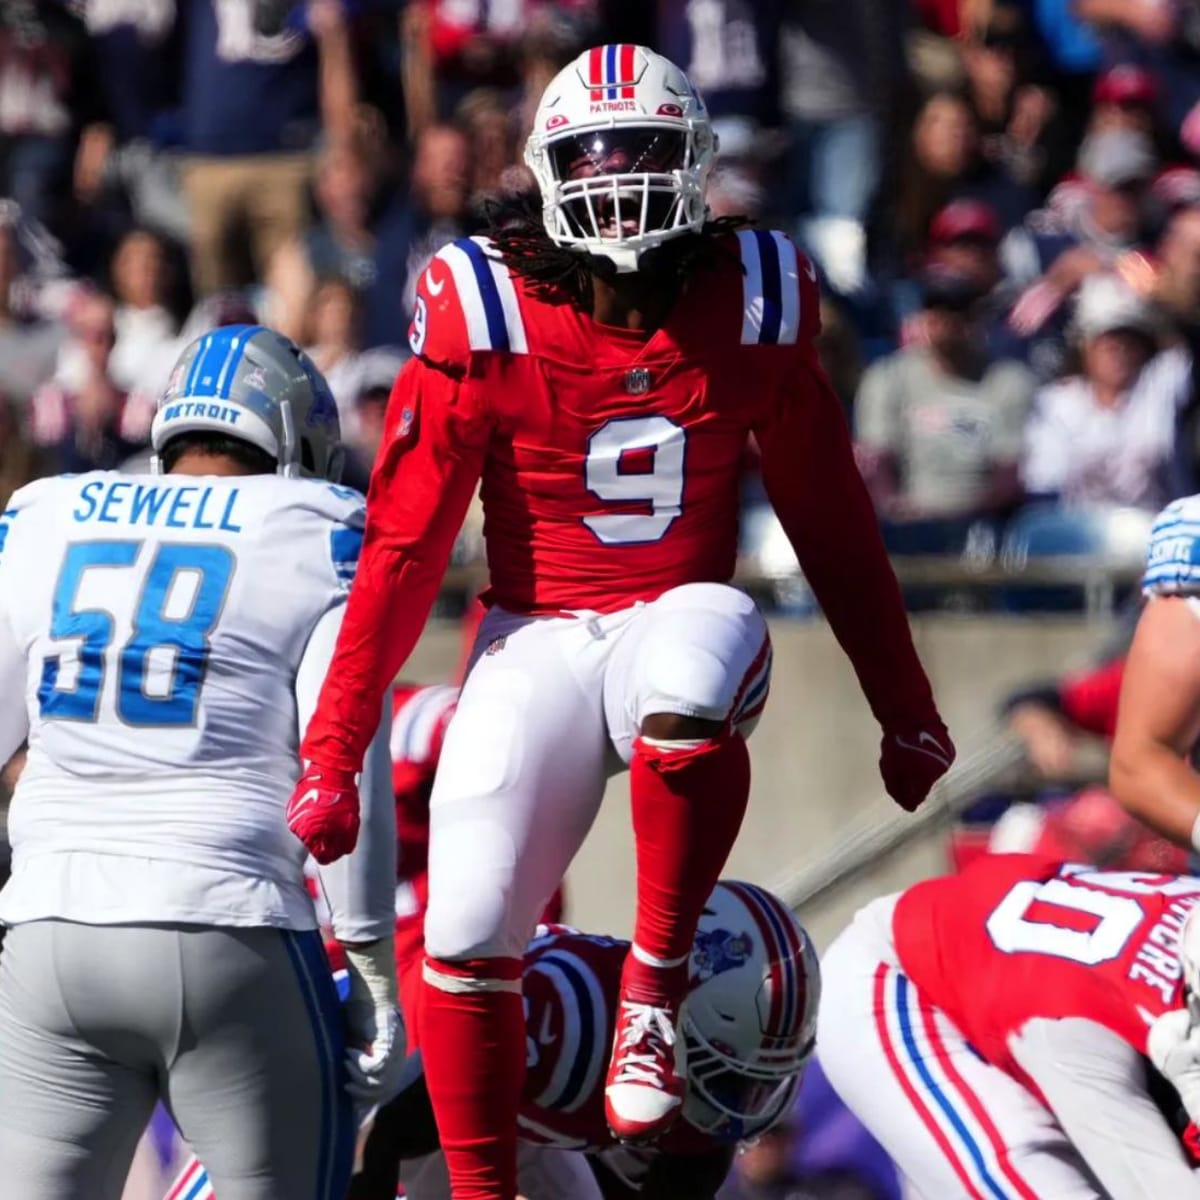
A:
(748, 1027)
(989, 1029)
(602, 371)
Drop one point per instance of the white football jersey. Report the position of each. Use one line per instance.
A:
(163, 623)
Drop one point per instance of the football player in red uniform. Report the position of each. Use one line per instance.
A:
(989, 1029)
(601, 370)
(748, 1030)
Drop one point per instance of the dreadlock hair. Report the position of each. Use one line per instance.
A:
(560, 273)
(213, 444)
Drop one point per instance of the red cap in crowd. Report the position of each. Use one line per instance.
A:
(1125, 84)
(965, 219)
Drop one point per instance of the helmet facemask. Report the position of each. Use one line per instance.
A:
(620, 191)
(742, 1098)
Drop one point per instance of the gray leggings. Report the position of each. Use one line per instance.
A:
(236, 1030)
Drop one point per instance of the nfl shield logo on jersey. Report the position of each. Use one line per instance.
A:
(637, 381)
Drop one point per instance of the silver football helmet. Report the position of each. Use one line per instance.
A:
(251, 383)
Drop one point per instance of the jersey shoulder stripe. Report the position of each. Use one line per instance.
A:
(1173, 554)
(771, 305)
(487, 295)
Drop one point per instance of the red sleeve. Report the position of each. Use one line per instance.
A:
(810, 476)
(422, 484)
(1090, 700)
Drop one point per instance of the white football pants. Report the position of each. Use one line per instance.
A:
(546, 703)
(957, 1127)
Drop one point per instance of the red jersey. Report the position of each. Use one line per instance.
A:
(1016, 937)
(610, 464)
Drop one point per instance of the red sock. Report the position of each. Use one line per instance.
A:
(473, 1043)
(688, 806)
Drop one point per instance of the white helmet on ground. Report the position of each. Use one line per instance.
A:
(253, 384)
(621, 147)
(749, 1023)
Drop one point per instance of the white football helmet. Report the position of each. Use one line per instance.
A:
(251, 383)
(749, 1023)
(621, 147)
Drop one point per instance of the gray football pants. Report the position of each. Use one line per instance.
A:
(238, 1031)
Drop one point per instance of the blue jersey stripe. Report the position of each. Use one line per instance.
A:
(345, 548)
(489, 294)
(772, 286)
(943, 1101)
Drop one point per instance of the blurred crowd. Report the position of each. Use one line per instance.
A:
(1002, 198)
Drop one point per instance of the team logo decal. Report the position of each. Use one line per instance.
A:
(255, 378)
(638, 381)
(719, 951)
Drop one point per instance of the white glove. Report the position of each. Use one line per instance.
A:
(1174, 1048)
(376, 1043)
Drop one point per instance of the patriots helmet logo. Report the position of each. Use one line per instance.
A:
(718, 950)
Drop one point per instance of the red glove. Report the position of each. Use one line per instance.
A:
(323, 812)
(1191, 1144)
(913, 759)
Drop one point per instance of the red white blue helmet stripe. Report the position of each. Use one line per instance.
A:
(785, 956)
(612, 72)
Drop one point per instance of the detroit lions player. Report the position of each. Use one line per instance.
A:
(1158, 721)
(162, 641)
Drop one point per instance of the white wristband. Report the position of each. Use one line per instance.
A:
(1196, 834)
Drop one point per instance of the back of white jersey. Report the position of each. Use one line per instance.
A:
(163, 620)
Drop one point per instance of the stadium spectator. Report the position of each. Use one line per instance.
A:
(374, 238)
(254, 103)
(28, 347)
(85, 422)
(841, 76)
(1105, 435)
(1054, 251)
(1012, 112)
(486, 121)
(377, 373)
(938, 426)
(130, 156)
(944, 163)
(1125, 97)
(48, 105)
(965, 237)
(17, 461)
(334, 342)
(144, 323)
(1174, 284)
(729, 49)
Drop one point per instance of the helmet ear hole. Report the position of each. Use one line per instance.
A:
(307, 461)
